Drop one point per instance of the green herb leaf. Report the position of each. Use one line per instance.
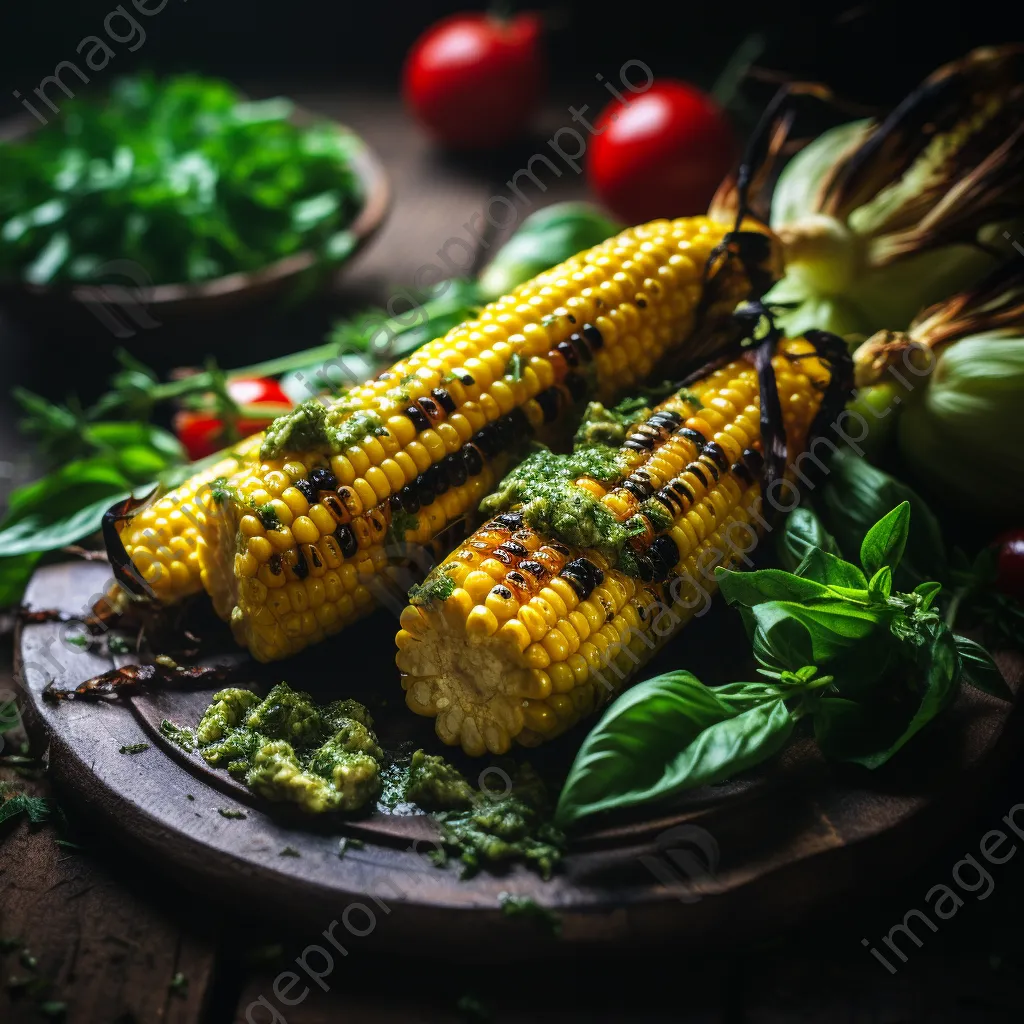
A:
(941, 668)
(663, 736)
(978, 669)
(803, 533)
(884, 543)
(61, 508)
(880, 586)
(857, 495)
(833, 571)
(752, 588)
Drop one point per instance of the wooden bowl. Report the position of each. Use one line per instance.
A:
(165, 303)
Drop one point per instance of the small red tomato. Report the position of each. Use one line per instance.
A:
(661, 153)
(1010, 563)
(202, 433)
(475, 80)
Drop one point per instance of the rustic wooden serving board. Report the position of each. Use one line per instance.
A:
(751, 855)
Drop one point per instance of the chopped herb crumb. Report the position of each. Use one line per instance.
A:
(268, 517)
(402, 523)
(80, 640)
(53, 1009)
(189, 796)
(526, 906)
(438, 586)
(118, 645)
(225, 813)
(514, 367)
(179, 985)
(290, 851)
(221, 492)
(27, 960)
(185, 738)
(134, 748)
(349, 843)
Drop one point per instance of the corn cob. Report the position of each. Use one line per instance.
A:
(294, 536)
(520, 634)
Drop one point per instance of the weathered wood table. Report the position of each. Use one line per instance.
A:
(93, 932)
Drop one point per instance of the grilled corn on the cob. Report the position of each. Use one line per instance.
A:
(295, 533)
(520, 632)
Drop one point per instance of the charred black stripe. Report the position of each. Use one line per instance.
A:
(444, 399)
(410, 500)
(579, 343)
(346, 539)
(419, 420)
(698, 470)
(307, 490)
(682, 490)
(299, 566)
(124, 569)
(455, 467)
(637, 488)
(568, 353)
(710, 463)
(473, 459)
(593, 335)
(740, 470)
(532, 567)
(695, 436)
(548, 402)
(323, 480)
(509, 520)
(671, 501)
(430, 408)
(716, 452)
(577, 386)
(664, 553)
(514, 548)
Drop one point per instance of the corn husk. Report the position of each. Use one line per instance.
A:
(878, 219)
(958, 373)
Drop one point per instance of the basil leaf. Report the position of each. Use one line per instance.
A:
(833, 624)
(928, 592)
(978, 669)
(663, 736)
(857, 494)
(803, 533)
(779, 643)
(62, 508)
(941, 666)
(833, 571)
(754, 587)
(880, 586)
(884, 543)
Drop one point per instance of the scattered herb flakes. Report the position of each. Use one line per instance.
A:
(290, 851)
(53, 1010)
(179, 985)
(525, 906)
(118, 645)
(36, 808)
(184, 737)
(226, 813)
(438, 586)
(269, 517)
(189, 796)
(514, 367)
(134, 748)
(402, 523)
(349, 843)
(27, 960)
(79, 640)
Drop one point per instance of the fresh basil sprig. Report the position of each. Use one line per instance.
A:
(893, 665)
(672, 733)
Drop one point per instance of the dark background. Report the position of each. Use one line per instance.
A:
(871, 51)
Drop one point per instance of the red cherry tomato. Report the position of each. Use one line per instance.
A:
(661, 153)
(202, 433)
(474, 80)
(1010, 563)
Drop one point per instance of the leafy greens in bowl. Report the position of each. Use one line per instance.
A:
(191, 183)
